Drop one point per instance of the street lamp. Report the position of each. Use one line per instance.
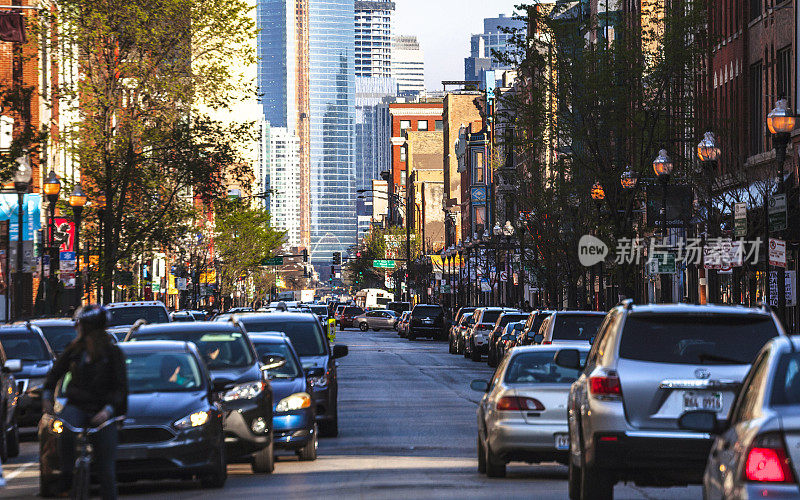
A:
(598, 193)
(77, 200)
(22, 181)
(51, 188)
(662, 166)
(780, 122)
(628, 178)
(708, 152)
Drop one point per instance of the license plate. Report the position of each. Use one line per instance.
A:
(562, 441)
(427, 321)
(702, 401)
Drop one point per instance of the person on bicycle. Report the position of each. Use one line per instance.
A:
(96, 390)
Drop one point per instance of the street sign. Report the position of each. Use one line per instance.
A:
(67, 261)
(180, 283)
(383, 264)
(503, 276)
(791, 284)
(663, 263)
(723, 254)
(777, 252)
(272, 261)
(777, 212)
(740, 220)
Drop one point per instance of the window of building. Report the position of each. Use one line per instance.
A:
(438, 124)
(478, 219)
(757, 117)
(403, 154)
(784, 73)
(478, 168)
(405, 124)
(755, 9)
(422, 125)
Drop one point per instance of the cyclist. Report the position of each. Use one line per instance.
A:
(96, 389)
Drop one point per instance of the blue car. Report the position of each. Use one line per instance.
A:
(293, 419)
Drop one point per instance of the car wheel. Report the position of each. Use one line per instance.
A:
(495, 467)
(595, 484)
(12, 442)
(363, 327)
(574, 480)
(464, 351)
(217, 477)
(264, 460)
(481, 456)
(474, 354)
(309, 451)
(329, 428)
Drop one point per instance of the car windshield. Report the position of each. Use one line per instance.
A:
(306, 336)
(290, 369)
(576, 327)
(537, 322)
(508, 318)
(427, 311)
(162, 372)
(319, 310)
(58, 337)
(121, 316)
(695, 339)
(219, 349)
(538, 367)
(26, 346)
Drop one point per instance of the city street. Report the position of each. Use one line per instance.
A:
(407, 430)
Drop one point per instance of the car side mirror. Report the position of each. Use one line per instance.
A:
(538, 338)
(272, 361)
(568, 358)
(12, 366)
(700, 421)
(339, 351)
(479, 385)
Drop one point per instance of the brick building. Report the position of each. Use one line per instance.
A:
(426, 194)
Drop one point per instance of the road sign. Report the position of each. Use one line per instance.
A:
(383, 264)
(272, 261)
(791, 283)
(777, 252)
(777, 212)
(67, 261)
(740, 220)
(503, 276)
(180, 283)
(663, 263)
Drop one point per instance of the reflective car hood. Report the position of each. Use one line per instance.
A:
(282, 387)
(237, 375)
(34, 369)
(163, 408)
(314, 361)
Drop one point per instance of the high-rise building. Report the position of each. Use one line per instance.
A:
(408, 65)
(497, 33)
(373, 36)
(280, 167)
(307, 84)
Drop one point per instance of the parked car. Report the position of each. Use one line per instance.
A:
(321, 311)
(477, 338)
(316, 354)
(58, 332)
(508, 340)
(463, 334)
(26, 343)
(754, 454)
(532, 325)
(426, 320)
(522, 415)
(455, 332)
(377, 319)
(399, 307)
(9, 399)
(462, 311)
(347, 319)
(239, 381)
(173, 428)
(295, 427)
(647, 366)
(569, 328)
(125, 314)
(499, 329)
(337, 314)
(187, 315)
(402, 324)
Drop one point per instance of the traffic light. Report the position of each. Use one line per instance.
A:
(337, 258)
(358, 255)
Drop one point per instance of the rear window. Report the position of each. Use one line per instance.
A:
(713, 339)
(490, 316)
(121, 316)
(537, 322)
(427, 311)
(353, 310)
(508, 318)
(576, 327)
(539, 368)
(306, 336)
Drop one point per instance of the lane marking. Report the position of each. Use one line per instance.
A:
(19, 470)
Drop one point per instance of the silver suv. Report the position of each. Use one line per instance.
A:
(647, 366)
(477, 338)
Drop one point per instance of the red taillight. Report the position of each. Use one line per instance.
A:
(509, 403)
(546, 342)
(605, 386)
(767, 460)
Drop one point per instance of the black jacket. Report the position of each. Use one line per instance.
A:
(93, 384)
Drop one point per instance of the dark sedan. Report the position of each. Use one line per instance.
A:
(173, 428)
(26, 343)
(293, 412)
(59, 332)
(240, 382)
(499, 330)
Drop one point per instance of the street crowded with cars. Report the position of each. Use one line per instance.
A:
(644, 401)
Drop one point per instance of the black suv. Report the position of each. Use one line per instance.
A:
(125, 314)
(316, 354)
(26, 343)
(240, 383)
(9, 394)
(427, 320)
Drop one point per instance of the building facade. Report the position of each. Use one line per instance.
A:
(496, 37)
(280, 167)
(373, 37)
(408, 65)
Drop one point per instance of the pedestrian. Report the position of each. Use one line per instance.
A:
(97, 391)
(526, 306)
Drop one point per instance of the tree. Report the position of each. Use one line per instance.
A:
(148, 69)
(243, 239)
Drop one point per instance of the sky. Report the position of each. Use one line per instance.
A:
(443, 28)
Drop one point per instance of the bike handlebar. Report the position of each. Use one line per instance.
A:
(91, 430)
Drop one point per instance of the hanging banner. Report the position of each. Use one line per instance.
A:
(64, 234)
(32, 216)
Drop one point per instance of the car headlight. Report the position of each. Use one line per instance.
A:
(196, 419)
(296, 401)
(319, 382)
(244, 391)
(56, 426)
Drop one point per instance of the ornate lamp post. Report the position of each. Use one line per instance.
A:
(598, 194)
(497, 232)
(52, 188)
(708, 152)
(662, 166)
(628, 181)
(508, 232)
(780, 122)
(77, 200)
(22, 181)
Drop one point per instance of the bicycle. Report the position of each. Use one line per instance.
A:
(81, 472)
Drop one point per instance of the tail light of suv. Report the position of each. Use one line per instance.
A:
(518, 403)
(767, 460)
(606, 386)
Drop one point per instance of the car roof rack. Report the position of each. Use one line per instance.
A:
(138, 323)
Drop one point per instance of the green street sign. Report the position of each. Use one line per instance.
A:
(272, 261)
(777, 212)
(662, 265)
(383, 264)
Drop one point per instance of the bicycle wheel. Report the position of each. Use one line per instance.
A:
(81, 480)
